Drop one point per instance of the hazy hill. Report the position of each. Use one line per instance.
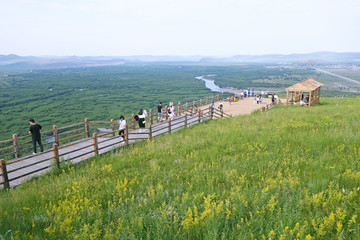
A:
(15, 61)
(291, 58)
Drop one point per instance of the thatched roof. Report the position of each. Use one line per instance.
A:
(307, 85)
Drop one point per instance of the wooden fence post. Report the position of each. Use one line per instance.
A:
(185, 119)
(199, 115)
(56, 154)
(207, 100)
(55, 133)
(211, 112)
(186, 107)
(112, 126)
(95, 141)
(200, 102)
(169, 125)
(166, 112)
(126, 135)
(16, 146)
(150, 132)
(133, 121)
(4, 173)
(87, 127)
(179, 108)
(222, 113)
(151, 116)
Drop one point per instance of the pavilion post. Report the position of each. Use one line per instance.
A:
(287, 97)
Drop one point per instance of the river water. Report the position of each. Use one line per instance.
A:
(210, 84)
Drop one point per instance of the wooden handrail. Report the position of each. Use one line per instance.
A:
(17, 144)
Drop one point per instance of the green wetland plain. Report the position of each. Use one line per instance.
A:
(289, 173)
(67, 96)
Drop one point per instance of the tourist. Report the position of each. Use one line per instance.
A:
(273, 99)
(242, 95)
(141, 116)
(260, 99)
(230, 100)
(171, 110)
(212, 108)
(266, 94)
(122, 124)
(276, 97)
(159, 109)
(34, 130)
(195, 109)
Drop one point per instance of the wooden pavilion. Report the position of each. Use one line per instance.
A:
(306, 92)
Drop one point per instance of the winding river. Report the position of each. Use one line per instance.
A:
(210, 84)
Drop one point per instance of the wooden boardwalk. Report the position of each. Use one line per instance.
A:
(24, 168)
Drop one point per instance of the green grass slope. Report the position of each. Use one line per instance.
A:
(289, 173)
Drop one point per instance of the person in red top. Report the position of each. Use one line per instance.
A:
(34, 130)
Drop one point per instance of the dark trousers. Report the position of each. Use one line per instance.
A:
(34, 140)
(121, 133)
(141, 123)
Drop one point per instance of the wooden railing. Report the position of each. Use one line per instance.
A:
(269, 106)
(67, 136)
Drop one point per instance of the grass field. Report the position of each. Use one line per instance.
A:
(289, 173)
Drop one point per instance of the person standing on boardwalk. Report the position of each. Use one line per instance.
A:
(122, 124)
(34, 130)
(159, 109)
(195, 109)
(220, 105)
(141, 119)
(171, 110)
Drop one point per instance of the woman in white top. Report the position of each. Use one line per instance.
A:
(172, 110)
(142, 117)
(122, 124)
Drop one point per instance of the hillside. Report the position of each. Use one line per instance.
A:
(13, 61)
(292, 172)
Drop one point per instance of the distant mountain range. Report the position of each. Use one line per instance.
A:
(35, 62)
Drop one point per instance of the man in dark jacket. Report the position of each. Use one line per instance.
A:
(35, 134)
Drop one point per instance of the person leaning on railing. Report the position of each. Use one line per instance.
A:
(142, 116)
(171, 110)
(34, 130)
(122, 124)
(159, 109)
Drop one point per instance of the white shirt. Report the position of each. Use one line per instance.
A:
(122, 124)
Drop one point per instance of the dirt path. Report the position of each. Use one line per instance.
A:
(245, 106)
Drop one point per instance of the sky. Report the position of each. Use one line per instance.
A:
(178, 27)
